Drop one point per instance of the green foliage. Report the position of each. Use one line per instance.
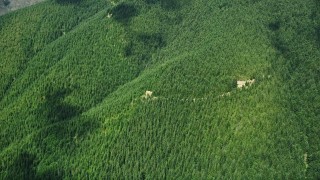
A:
(166, 4)
(73, 74)
(67, 1)
(54, 109)
(124, 12)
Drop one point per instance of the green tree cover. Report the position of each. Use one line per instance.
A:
(72, 76)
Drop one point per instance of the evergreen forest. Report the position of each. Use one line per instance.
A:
(148, 89)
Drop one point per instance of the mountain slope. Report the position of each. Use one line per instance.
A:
(72, 81)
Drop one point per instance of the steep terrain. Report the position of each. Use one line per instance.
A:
(12, 5)
(73, 75)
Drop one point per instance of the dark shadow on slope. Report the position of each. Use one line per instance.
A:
(5, 88)
(280, 45)
(51, 175)
(143, 45)
(23, 167)
(61, 139)
(153, 41)
(274, 26)
(124, 12)
(65, 135)
(314, 17)
(317, 31)
(54, 109)
(276, 37)
(6, 2)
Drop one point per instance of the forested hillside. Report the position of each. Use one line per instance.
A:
(147, 89)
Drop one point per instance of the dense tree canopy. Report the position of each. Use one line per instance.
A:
(73, 78)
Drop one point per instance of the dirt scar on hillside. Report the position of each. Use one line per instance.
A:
(15, 5)
(240, 85)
